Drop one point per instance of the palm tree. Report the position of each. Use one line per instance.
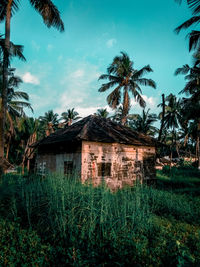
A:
(122, 76)
(194, 36)
(15, 105)
(191, 105)
(51, 17)
(173, 119)
(117, 117)
(69, 117)
(49, 122)
(15, 50)
(144, 123)
(102, 112)
(162, 117)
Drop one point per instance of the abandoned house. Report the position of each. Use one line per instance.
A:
(98, 149)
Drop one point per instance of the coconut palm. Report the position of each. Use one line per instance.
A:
(162, 117)
(144, 123)
(102, 112)
(51, 18)
(191, 105)
(15, 104)
(49, 122)
(15, 50)
(69, 117)
(173, 119)
(123, 77)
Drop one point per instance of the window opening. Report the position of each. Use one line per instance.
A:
(104, 169)
(68, 167)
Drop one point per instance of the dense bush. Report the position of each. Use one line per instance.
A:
(20, 247)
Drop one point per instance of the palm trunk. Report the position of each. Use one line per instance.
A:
(162, 121)
(8, 148)
(5, 78)
(198, 144)
(125, 107)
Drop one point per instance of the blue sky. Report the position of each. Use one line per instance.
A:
(62, 69)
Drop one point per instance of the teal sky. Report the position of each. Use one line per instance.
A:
(62, 69)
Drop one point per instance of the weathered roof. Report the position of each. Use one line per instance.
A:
(95, 128)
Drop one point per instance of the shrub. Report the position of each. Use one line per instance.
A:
(20, 247)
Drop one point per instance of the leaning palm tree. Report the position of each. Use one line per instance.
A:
(125, 79)
(51, 17)
(69, 117)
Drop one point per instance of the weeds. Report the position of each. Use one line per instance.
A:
(80, 225)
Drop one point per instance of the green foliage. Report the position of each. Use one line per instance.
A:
(20, 247)
(79, 225)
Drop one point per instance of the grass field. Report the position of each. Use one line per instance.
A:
(57, 221)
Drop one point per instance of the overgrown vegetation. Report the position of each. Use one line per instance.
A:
(57, 221)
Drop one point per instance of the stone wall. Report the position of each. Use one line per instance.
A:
(116, 164)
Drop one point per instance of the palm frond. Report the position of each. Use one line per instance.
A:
(20, 95)
(147, 82)
(140, 100)
(17, 51)
(194, 39)
(146, 69)
(107, 86)
(21, 104)
(194, 5)
(183, 70)
(114, 98)
(187, 23)
(49, 13)
(3, 7)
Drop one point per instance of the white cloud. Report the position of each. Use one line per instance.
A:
(79, 83)
(111, 42)
(29, 78)
(35, 46)
(86, 111)
(49, 47)
(151, 102)
(60, 58)
(77, 74)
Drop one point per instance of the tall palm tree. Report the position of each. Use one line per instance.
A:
(49, 122)
(144, 123)
(122, 76)
(194, 36)
(16, 102)
(51, 17)
(69, 117)
(15, 50)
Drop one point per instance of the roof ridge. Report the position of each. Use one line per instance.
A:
(84, 129)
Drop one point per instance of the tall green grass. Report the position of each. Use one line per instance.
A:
(87, 226)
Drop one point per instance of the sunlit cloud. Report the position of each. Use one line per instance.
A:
(29, 78)
(111, 42)
(151, 103)
(49, 47)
